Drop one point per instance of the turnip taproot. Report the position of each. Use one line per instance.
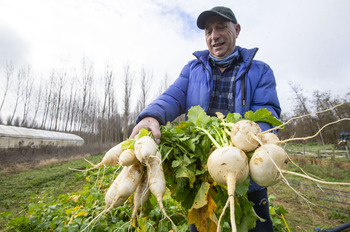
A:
(110, 158)
(156, 181)
(127, 157)
(229, 166)
(144, 148)
(242, 135)
(128, 183)
(112, 190)
(146, 151)
(141, 195)
(121, 188)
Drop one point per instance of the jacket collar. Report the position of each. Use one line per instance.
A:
(246, 54)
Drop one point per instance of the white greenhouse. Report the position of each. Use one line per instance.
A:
(15, 137)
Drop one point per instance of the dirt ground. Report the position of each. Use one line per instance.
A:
(14, 160)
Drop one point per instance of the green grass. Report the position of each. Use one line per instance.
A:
(324, 215)
(69, 204)
(17, 189)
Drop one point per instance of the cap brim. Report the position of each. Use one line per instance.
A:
(205, 15)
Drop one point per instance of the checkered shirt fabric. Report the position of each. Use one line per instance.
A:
(221, 98)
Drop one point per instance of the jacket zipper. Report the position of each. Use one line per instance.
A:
(210, 77)
(243, 87)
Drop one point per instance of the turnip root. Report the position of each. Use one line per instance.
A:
(144, 148)
(265, 164)
(156, 180)
(112, 190)
(146, 151)
(127, 157)
(141, 195)
(229, 166)
(122, 187)
(242, 135)
(110, 158)
(268, 164)
(268, 138)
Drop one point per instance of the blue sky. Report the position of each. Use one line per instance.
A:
(305, 42)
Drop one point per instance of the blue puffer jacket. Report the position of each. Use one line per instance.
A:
(255, 88)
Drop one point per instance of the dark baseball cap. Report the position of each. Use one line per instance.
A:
(218, 10)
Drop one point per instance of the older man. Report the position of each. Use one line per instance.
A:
(225, 78)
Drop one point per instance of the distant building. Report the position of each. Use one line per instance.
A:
(16, 137)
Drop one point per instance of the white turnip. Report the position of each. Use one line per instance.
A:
(124, 185)
(127, 157)
(144, 148)
(156, 180)
(146, 151)
(242, 135)
(229, 166)
(110, 158)
(141, 195)
(121, 188)
(269, 163)
(112, 190)
(266, 163)
(268, 138)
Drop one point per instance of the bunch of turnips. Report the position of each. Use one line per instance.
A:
(205, 163)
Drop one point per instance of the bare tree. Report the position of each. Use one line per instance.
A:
(300, 108)
(37, 104)
(128, 81)
(60, 84)
(69, 105)
(7, 83)
(48, 96)
(18, 87)
(114, 121)
(145, 82)
(108, 85)
(26, 94)
(86, 85)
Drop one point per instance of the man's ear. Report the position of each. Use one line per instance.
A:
(238, 29)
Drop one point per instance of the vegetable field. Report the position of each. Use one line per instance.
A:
(201, 166)
(57, 192)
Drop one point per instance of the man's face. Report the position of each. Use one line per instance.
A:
(220, 36)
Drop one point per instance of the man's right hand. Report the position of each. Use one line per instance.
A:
(148, 123)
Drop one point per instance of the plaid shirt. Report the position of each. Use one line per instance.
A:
(221, 97)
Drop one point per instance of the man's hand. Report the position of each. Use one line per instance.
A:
(148, 123)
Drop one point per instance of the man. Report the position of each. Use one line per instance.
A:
(225, 79)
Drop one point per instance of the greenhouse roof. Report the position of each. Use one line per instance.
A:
(22, 132)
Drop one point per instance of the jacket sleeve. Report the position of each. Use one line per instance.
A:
(171, 103)
(265, 96)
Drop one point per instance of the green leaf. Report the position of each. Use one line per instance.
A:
(262, 115)
(280, 210)
(242, 189)
(201, 197)
(185, 172)
(142, 132)
(248, 220)
(233, 117)
(197, 116)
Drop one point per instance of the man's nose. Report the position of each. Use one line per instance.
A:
(215, 35)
